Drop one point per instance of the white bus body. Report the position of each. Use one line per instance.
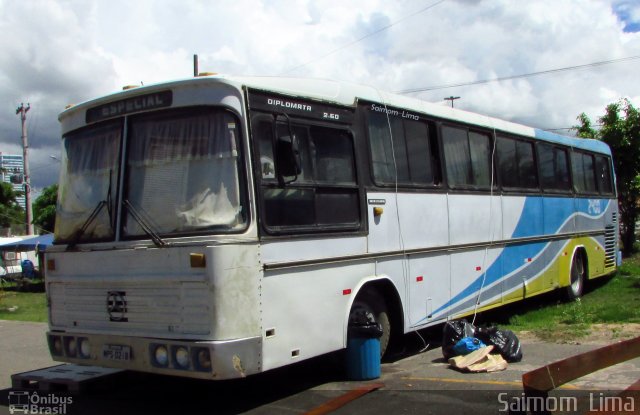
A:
(271, 283)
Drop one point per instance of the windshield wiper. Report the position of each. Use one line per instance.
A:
(88, 222)
(94, 215)
(157, 240)
(109, 201)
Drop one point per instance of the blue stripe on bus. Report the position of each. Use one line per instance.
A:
(532, 209)
(509, 260)
(557, 212)
(584, 144)
(553, 213)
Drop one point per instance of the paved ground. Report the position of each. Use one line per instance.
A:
(415, 382)
(23, 347)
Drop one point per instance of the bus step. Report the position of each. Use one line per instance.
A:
(62, 378)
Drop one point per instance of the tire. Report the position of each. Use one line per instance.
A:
(578, 276)
(370, 301)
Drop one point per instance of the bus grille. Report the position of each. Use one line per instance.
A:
(609, 246)
(154, 309)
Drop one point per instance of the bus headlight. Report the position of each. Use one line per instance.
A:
(70, 346)
(161, 356)
(181, 355)
(201, 359)
(85, 347)
(55, 344)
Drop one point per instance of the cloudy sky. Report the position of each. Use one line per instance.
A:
(56, 52)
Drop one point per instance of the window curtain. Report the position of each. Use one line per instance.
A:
(458, 159)
(89, 168)
(183, 172)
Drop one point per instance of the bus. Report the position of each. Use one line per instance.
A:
(217, 227)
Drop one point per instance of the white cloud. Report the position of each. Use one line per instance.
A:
(66, 51)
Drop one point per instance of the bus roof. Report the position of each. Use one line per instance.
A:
(345, 93)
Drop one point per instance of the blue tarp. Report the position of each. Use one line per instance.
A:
(38, 243)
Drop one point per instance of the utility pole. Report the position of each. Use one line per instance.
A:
(22, 110)
(451, 98)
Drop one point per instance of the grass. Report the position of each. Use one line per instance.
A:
(27, 303)
(609, 301)
(613, 300)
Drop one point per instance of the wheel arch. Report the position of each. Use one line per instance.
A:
(584, 255)
(564, 272)
(577, 274)
(387, 289)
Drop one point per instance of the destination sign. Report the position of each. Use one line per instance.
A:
(278, 104)
(130, 105)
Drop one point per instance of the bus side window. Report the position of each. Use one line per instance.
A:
(467, 156)
(480, 145)
(603, 168)
(322, 193)
(382, 149)
(263, 130)
(435, 154)
(418, 152)
(553, 168)
(401, 149)
(516, 164)
(584, 173)
(293, 153)
(334, 157)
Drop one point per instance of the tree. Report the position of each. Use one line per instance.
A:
(11, 213)
(621, 131)
(44, 208)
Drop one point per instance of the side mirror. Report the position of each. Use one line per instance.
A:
(288, 159)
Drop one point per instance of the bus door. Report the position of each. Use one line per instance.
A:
(407, 213)
(384, 223)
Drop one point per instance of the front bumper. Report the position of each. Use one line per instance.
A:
(188, 358)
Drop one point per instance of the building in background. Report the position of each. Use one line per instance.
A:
(12, 171)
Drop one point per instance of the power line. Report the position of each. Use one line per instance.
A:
(375, 32)
(525, 75)
(16, 218)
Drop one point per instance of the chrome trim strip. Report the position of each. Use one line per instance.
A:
(416, 251)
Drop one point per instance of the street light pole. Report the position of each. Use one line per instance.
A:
(22, 110)
(451, 98)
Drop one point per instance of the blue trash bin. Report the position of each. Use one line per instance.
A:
(363, 359)
(363, 349)
(28, 270)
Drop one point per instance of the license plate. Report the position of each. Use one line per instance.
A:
(116, 352)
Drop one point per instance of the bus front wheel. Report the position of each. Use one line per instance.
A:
(370, 301)
(578, 277)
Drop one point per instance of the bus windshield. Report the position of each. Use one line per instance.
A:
(182, 173)
(88, 184)
(181, 176)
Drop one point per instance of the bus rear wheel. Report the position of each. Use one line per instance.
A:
(578, 276)
(369, 301)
